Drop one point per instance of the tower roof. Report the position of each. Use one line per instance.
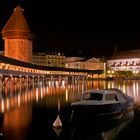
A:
(17, 22)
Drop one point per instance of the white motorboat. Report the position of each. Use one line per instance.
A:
(103, 103)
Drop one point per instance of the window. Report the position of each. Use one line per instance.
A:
(86, 96)
(110, 96)
(96, 96)
(93, 96)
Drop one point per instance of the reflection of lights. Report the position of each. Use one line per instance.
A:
(109, 85)
(7, 103)
(47, 89)
(18, 100)
(63, 84)
(136, 92)
(41, 92)
(57, 83)
(49, 83)
(52, 83)
(26, 99)
(66, 95)
(44, 89)
(124, 88)
(83, 87)
(137, 88)
(104, 85)
(2, 105)
(134, 89)
(58, 105)
(29, 96)
(25, 96)
(40, 83)
(37, 94)
(119, 86)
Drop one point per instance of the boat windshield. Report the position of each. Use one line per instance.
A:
(111, 97)
(93, 96)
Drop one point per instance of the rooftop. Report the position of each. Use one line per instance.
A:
(17, 22)
(126, 54)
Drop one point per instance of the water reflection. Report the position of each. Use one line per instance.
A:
(21, 103)
(130, 87)
(13, 96)
(107, 130)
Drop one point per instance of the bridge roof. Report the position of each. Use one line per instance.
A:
(17, 22)
(15, 62)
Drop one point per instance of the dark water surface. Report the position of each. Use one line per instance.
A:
(28, 112)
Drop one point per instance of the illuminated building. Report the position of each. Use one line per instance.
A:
(84, 63)
(75, 62)
(125, 61)
(17, 37)
(51, 60)
(94, 64)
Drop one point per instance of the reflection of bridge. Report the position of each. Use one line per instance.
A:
(19, 71)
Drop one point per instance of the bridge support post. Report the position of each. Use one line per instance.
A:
(60, 80)
(66, 79)
(52, 78)
(73, 80)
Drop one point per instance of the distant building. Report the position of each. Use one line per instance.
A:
(75, 62)
(125, 61)
(39, 59)
(17, 37)
(52, 60)
(94, 64)
(84, 63)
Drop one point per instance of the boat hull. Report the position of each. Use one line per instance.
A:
(100, 112)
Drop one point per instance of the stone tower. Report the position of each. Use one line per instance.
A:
(17, 37)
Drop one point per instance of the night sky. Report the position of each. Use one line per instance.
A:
(69, 30)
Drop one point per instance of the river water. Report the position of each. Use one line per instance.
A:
(29, 110)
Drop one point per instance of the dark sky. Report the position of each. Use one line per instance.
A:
(74, 29)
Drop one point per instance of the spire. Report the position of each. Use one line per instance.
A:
(17, 22)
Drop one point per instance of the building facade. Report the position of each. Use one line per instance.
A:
(84, 63)
(51, 60)
(125, 61)
(94, 64)
(75, 62)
